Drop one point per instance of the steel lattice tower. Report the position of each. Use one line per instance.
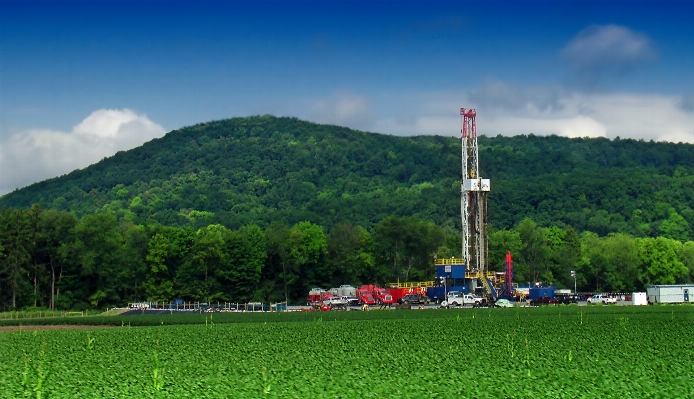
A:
(473, 199)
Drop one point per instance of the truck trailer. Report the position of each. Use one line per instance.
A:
(670, 293)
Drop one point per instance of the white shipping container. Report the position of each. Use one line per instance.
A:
(639, 298)
(670, 293)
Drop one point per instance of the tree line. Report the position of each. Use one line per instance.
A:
(52, 259)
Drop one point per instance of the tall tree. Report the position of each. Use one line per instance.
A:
(534, 252)
(343, 254)
(622, 268)
(593, 264)
(675, 226)
(659, 261)
(178, 263)
(34, 216)
(56, 234)
(245, 254)
(686, 255)
(255, 255)
(307, 245)
(564, 251)
(277, 275)
(132, 262)
(207, 255)
(158, 284)
(97, 252)
(16, 239)
(421, 241)
(389, 240)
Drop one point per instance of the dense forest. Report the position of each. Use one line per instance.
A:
(52, 259)
(264, 208)
(262, 170)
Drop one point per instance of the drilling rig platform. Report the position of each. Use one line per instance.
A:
(470, 273)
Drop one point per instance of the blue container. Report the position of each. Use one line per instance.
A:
(457, 271)
(536, 293)
(437, 294)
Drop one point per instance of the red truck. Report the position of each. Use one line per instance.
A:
(399, 292)
(371, 295)
(317, 295)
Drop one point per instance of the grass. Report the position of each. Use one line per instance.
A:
(484, 353)
(48, 313)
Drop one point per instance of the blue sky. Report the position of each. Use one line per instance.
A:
(81, 80)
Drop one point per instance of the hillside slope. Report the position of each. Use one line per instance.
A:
(265, 169)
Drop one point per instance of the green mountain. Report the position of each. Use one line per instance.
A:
(264, 169)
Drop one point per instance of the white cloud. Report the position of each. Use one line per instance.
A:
(598, 50)
(687, 102)
(577, 126)
(343, 109)
(521, 110)
(499, 95)
(34, 155)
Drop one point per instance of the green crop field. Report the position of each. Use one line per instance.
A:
(558, 352)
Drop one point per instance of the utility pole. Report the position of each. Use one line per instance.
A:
(573, 274)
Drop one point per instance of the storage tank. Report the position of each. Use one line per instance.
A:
(347, 290)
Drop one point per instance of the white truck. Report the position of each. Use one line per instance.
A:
(335, 303)
(457, 298)
(603, 299)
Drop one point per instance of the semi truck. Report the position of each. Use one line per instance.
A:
(371, 295)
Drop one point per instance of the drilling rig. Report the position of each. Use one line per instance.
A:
(473, 199)
(470, 273)
(474, 191)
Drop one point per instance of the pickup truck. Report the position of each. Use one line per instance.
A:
(457, 298)
(414, 299)
(601, 298)
(350, 300)
(335, 302)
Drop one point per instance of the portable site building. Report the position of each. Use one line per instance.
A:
(639, 298)
(670, 293)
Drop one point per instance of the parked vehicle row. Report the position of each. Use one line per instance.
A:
(366, 294)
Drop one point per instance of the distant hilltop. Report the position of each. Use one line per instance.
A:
(263, 169)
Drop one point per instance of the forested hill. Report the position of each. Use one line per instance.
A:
(263, 169)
